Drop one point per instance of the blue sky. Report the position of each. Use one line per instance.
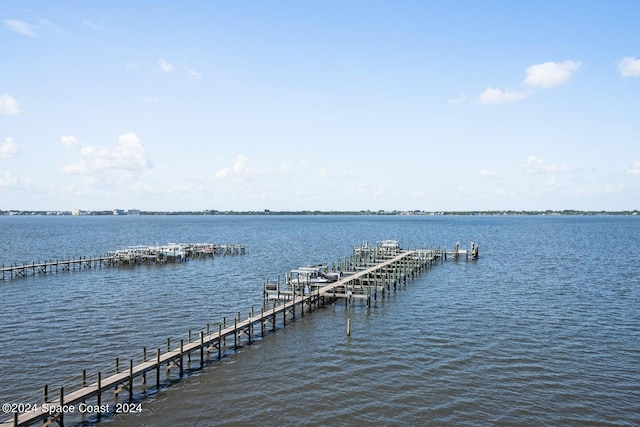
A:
(327, 105)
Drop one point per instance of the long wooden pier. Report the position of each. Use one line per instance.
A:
(369, 272)
(171, 252)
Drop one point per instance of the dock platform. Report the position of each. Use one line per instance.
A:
(132, 255)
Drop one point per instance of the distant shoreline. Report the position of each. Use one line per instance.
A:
(337, 213)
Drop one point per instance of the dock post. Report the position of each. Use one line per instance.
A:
(201, 350)
(349, 327)
(250, 322)
(262, 322)
(274, 316)
(61, 416)
(189, 354)
(235, 333)
(144, 359)
(181, 357)
(249, 327)
(130, 380)
(219, 342)
(99, 395)
(158, 370)
(284, 312)
(224, 326)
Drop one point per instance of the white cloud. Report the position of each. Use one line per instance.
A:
(8, 180)
(90, 24)
(549, 74)
(222, 173)
(550, 183)
(241, 169)
(19, 27)
(148, 99)
(539, 76)
(241, 166)
(69, 140)
(487, 173)
(192, 73)
(533, 166)
(324, 173)
(460, 99)
(629, 67)
(46, 24)
(635, 169)
(9, 149)
(499, 96)
(127, 158)
(164, 66)
(285, 170)
(363, 192)
(9, 106)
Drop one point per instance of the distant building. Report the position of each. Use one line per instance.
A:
(133, 212)
(119, 212)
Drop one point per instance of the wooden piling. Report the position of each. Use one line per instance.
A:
(158, 370)
(181, 358)
(130, 380)
(201, 350)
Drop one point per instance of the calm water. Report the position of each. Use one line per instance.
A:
(543, 330)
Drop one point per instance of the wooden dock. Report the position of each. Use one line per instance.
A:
(132, 255)
(367, 274)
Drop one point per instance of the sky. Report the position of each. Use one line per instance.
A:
(320, 105)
